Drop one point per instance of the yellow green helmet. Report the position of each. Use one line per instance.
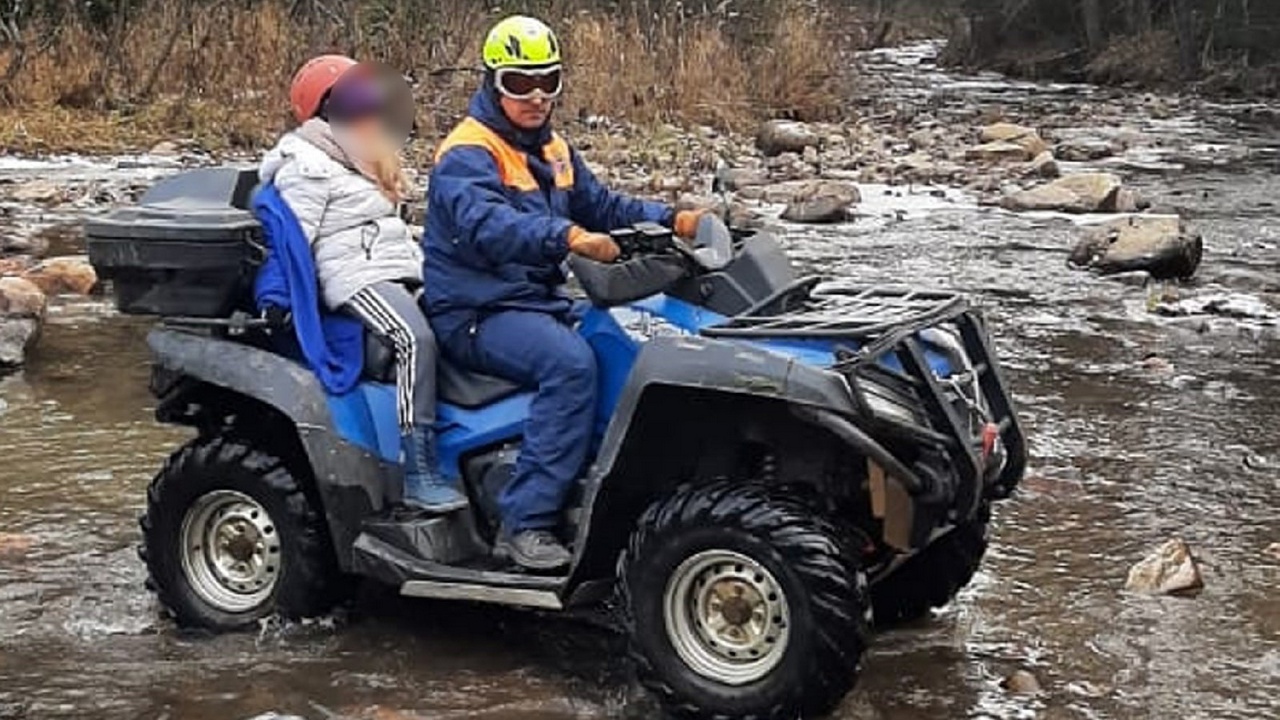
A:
(521, 41)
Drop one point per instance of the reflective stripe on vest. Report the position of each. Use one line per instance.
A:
(513, 164)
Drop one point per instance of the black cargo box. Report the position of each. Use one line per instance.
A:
(190, 247)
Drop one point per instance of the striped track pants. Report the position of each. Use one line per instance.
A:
(391, 310)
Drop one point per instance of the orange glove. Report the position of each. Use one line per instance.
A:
(595, 246)
(686, 223)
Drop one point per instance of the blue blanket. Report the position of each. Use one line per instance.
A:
(332, 344)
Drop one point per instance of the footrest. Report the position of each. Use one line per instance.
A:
(445, 539)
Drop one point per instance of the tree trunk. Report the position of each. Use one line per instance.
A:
(1093, 30)
(1188, 46)
(1140, 19)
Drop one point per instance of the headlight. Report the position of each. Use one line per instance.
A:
(887, 403)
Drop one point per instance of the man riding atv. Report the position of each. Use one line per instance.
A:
(509, 200)
(775, 459)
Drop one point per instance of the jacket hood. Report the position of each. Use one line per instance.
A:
(485, 108)
(290, 146)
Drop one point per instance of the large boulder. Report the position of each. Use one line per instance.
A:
(71, 275)
(1169, 570)
(1024, 137)
(22, 309)
(1080, 193)
(823, 201)
(778, 136)
(1162, 246)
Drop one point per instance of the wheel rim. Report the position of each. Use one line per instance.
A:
(726, 617)
(230, 551)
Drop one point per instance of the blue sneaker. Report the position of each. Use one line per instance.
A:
(424, 488)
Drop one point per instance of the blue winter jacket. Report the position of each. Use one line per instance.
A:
(500, 206)
(332, 345)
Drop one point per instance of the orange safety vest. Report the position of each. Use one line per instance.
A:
(513, 164)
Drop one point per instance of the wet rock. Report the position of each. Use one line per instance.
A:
(994, 152)
(1044, 165)
(923, 168)
(1170, 570)
(15, 265)
(775, 193)
(736, 215)
(1162, 246)
(739, 178)
(923, 139)
(26, 244)
(22, 309)
(13, 544)
(166, 148)
(1021, 682)
(1084, 150)
(1024, 137)
(822, 201)
(43, 192)
(1232, 305)
(1080, 193)
(778, 136)
(72, 275)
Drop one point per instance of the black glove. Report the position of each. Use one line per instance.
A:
(277, 317)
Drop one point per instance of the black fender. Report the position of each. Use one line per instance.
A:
(350, 482)
(691, 370)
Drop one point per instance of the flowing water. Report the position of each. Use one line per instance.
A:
(1141, 428)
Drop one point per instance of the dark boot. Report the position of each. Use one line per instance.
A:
(424, 487)
(536, 550)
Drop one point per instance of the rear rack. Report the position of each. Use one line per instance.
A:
(810, 309)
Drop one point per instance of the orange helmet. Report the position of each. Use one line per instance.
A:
(313, 81)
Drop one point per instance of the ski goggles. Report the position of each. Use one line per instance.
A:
(528, 83)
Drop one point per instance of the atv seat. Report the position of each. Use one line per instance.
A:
(454, 385)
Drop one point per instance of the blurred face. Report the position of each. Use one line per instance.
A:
(528, 114)
(371, 104)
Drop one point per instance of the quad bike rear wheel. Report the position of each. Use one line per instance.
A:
(229, 538)
(741, 602)
(933, 576)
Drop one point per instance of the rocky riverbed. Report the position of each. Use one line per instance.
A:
(1137, 308)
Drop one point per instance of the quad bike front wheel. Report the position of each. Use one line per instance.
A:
(741, 602)
(229, 538)
(932, 577)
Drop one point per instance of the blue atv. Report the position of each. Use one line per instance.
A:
(778, 461)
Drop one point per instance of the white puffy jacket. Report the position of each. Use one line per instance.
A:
(356, 235)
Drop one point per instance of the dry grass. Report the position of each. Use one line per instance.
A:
(216, 72)
(1150, 59)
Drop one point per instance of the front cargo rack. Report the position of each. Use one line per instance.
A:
(870, 323)
(813, 307)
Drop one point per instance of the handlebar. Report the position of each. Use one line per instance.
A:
(643, 239)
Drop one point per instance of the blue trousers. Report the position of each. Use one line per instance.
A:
(538, 350)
